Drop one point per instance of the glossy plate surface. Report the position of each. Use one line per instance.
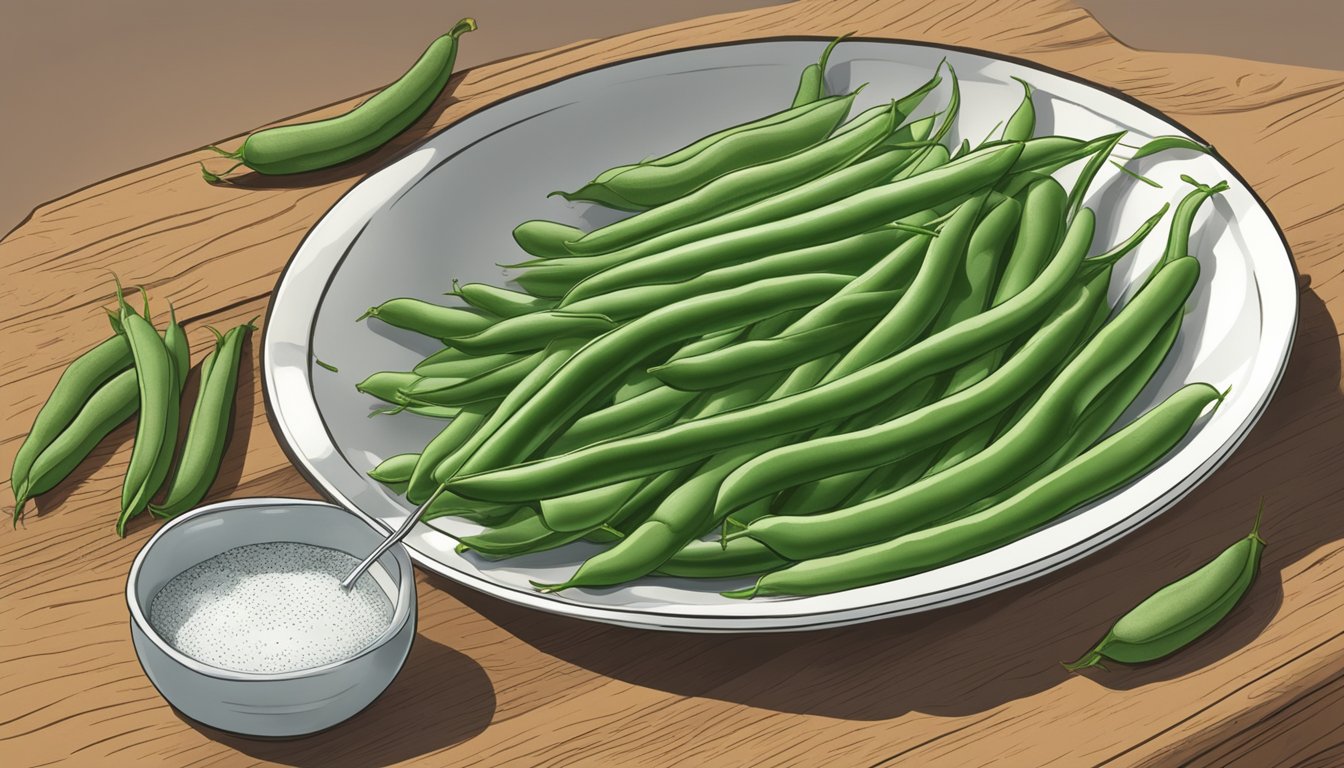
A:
(445, 211)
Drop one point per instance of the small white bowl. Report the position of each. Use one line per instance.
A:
(255, 704)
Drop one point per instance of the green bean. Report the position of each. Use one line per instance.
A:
(472, 452)
(1117, 460)
(1041, 430)
(491, 385)
(848, 256)
(324, 143)
(812, 83)
(553, 278)
(654, 183)
(740, 188)
(861, 211)
(395, 469)
(421, 482)
(388, 385)
(867, 388)
(156, 431)
(203, 449)
(606, 358)
(80, 380)
(680, 517)
(428, 319)
(499, 301)
(1183, 220)
(920, 306)
(1022, 125)
(712, 560)
(532, 332)
(545, 239)
(926, 427)
(1183, 611)
(452, 363)
(1080, 187)
(700, 145)
(754, 358)
(1167, 143)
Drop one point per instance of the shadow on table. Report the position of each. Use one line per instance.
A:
(360, 166)
(439, 699)
(976, 656)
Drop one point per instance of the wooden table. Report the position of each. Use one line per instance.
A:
(491, 684)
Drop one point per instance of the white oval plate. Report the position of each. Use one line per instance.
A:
(445, 210)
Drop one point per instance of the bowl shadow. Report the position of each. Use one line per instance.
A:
(440, 698)
(977, 656)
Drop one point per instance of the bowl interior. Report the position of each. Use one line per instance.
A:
(208, 531)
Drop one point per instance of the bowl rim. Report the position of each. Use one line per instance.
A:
(403, 606)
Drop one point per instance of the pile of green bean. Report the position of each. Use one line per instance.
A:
(137, 370)
(824, 353)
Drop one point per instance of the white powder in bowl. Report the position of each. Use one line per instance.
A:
(274, 607)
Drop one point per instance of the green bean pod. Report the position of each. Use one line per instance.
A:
(421, 482)
(857, 213)
(310, 146)
(533, 332)
(819, 405)
(919, 307)
(395, 470)
(491, 385)
(740, 188)
(110, 405)
(429, 319)
(156, 431)
(1119, 459)
(499, 301)
(546, 239)
(1183, 611)
(1022, 125)
(553, 278)
(386, 385)
(712, 560)
(655, 183)
(456, 365)
(80, 380)
(203, 449)
(1040, 431)
(812, 82)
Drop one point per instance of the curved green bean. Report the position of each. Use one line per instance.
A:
(203, 448)
(1117, 460)
(323, 143)
(650, 184)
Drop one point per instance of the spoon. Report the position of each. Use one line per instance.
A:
(388, 543)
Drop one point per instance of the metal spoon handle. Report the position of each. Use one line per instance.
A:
(387, 544)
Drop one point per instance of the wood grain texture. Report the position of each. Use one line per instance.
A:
(492, 684)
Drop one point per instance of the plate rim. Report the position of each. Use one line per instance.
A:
(689, 622)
